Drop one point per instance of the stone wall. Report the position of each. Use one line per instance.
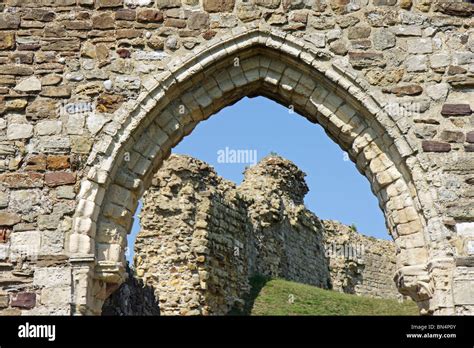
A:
(132, 298)
(95, 93)
(362, 265)
(203, 238)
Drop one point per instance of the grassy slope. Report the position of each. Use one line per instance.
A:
(272, 298)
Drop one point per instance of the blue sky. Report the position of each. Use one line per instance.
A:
(336, 189)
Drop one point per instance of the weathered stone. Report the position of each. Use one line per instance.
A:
(17, 131)
(382, 17)
(456, 110)
(321, 23)
(23, 180)
(383, 39)
(198, 20)
(65, 192)
(36, 163)
(209, 34)
(15, 104)
(128, 33)
(53, 179)
(81, 144)
(339, 47)
(4, 301)
(52, 276)
(38, 14)
(135, 3)
(31, 84)
(406, 4)
(218, 5)
(108, 103)
(452, 136)
(62, 45)
(109, 3)
(463, 9)
(461, 58)
(22, 57)
(268, 3)
(56, 91)
(361, 44)
(435, 146)
(101, 52)
(16, 69)
(385, 2)
(48, 222)
(454, 70)
(319, 40)
(420, 46)
(168, 3)
(103, 21)
(53, 144)
(407, 30)
(42, 108)
(273, 175)
(125, 15)
(423, 5)
(9, 21)
(175, 23)
(48, 127)
(150, 15)
(384, 77)
(359, 32)
(417, 63)
(299, 17)
(438, 92)
(460, 82)
(361, 60)
(124, 53)
(440, 60)
(470, 137)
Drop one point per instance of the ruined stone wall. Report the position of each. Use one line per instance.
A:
(360, 264)
(203, 238)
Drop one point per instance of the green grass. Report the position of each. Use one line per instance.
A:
(273, 297)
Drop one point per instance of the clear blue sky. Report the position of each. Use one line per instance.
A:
(336, 189)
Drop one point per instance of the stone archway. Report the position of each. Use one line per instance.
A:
(250, 63)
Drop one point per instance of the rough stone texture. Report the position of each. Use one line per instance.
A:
(135, 72)
(370, 267)
(132, 298)
(203, 238)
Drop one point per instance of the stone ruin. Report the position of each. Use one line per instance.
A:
(94, 94)
(202, 238)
